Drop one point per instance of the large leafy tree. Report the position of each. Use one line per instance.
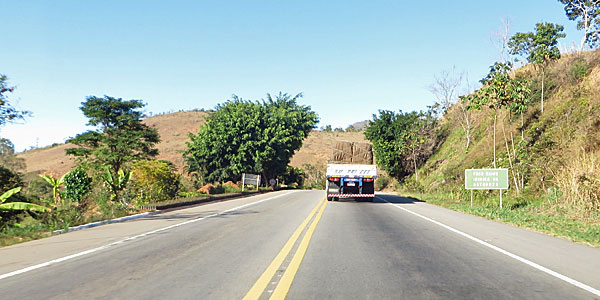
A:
(539, 47)
(119, 136)
(587, 12)
(249, 137)
(396, 138)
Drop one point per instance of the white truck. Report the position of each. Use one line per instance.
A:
(350, 181)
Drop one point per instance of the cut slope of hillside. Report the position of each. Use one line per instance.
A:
(316, 148)
(545, 152)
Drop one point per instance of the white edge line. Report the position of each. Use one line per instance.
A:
(65, 258)
(519, 258)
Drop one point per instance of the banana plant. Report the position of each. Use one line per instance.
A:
(55, 183)
(18, 205)
(118, 182)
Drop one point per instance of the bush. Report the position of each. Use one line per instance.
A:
(382, 182)
(77, 185)
(231, 187)
(315, 176)
(154, 181)
(9, 179)
(579, 69)
(293, 175)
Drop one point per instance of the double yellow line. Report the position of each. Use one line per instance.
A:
(285, 283)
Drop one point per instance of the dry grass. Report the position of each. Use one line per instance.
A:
(579, 182)
(316, 149)
(173, 129)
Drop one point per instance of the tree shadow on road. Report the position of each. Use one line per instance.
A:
(204, 214)
(383, 198)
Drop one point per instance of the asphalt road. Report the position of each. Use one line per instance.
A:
(393, 248)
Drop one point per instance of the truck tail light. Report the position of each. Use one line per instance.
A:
(368, 180)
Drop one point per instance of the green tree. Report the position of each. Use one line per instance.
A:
(587, 12)
(119, 137)
(499, 91)
(396, 139)
(538, 48)
(8, 113)
(249, 137)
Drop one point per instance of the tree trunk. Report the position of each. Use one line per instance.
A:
(543, 89)
(415, 164)
(510, 158)
(468, 139)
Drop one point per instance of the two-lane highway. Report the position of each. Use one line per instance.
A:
(294, 244)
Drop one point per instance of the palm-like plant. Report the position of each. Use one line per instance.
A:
(55, 183)
(117, 183)
(18, 205)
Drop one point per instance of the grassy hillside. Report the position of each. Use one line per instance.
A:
(554, 155)
(173, 129)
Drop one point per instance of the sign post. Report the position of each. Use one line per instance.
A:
(486, 179)
(251, 179)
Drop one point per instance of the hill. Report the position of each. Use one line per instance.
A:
(173, 129)
(553, 157)
(538, 148)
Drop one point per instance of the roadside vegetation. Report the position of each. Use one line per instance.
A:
(117, 173)
(540, 121)
(536, 113)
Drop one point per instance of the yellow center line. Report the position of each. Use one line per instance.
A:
(285, 283)
(263, 281)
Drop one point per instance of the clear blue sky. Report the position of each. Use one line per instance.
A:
(349, 58)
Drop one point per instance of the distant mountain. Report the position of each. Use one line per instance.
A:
(360, 125)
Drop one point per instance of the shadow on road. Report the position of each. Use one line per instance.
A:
(185, 216)
(384, 198)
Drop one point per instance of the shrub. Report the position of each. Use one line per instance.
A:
(9, 179)
(293, 175)
(77, 185)
(231, 187)
(154, 181)
(315, 176)
(579, 69)
(382, 182)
